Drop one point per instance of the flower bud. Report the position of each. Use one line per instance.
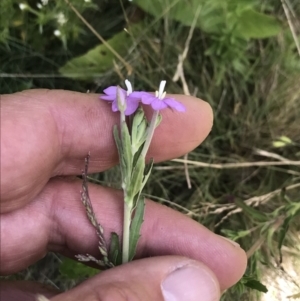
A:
(121, 100)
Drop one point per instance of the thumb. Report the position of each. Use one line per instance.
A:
(167, 278)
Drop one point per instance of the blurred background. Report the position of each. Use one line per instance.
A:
(242, 56)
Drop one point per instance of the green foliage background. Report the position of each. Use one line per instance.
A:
(242, 59)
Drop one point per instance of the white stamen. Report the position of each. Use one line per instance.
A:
(39, 5)
(61, 18)
(22, 6)
(129, 86)
(57, 33)
(161, 94)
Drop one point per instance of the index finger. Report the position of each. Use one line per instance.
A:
(49, 132)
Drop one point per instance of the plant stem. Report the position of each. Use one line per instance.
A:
(150, 133)
(126, 231)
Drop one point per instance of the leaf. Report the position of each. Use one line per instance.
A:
(235, 235)
(120, 148)
(139, 130)
(182, 11)
(97, 60)
(136, 181)
(282, 142)
(135, 227)
(74, 270)
(279, 144)
(147, 172)
(126, 151)
(282, 232)
(293, 210)
(253, 24)
(115, 251)
(251, 212)
(216, 16)
(252, 282)
(286, 139)
(256, 285)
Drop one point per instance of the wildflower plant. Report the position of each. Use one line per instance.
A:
(132, 136)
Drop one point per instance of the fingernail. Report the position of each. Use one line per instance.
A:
(190, 283)
(230, 241)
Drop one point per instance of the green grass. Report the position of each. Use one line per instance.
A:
(253, 88)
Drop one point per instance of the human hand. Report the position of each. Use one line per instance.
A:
(45, 136)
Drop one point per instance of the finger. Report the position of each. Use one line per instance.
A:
(162, 279)
(25, 290)
(56, 221)
(47, 133)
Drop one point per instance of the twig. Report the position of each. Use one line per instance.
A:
(267, 154)
(189, 212)
(255, 246)
(186, 172)
(179, 74)
(289, 19)
(262, 239)
(90, 27)
(254, 201)
(291, 172)
(237, 165)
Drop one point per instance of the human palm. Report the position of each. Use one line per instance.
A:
(45, 136)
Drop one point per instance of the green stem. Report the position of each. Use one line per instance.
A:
(126, 232)
(150, 133)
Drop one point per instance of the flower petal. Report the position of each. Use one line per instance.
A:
(114, 106)
(174, 104)
(138, 94)
(112, 90)
(108, 97)
(131, 107)
(158, 104)
(148, 98)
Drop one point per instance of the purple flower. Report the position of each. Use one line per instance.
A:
(159, 101)
(132, 102)
(132, 99)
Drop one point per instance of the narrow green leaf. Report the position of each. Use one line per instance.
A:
(126, 150)
(139, 130)
(117, 138)
(293, 210)
(235, 235)
(282, 232)
(147, 172)
(138, 154)
(120, 151)
(115, 251)
(158, 121)
(251, 212)
(256, 285)
(135, 227)
(137, 176)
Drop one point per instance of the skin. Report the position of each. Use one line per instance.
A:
(45, 136)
